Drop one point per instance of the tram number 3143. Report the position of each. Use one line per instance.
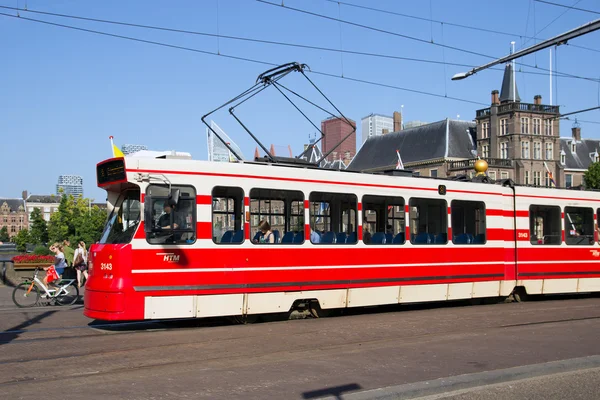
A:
(106, 266)
(523, 235)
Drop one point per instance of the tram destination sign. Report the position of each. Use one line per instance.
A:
(111, 171)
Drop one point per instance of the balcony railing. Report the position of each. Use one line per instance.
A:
(470, 164)
(525, 107)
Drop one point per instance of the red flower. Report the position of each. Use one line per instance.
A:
(33, 259)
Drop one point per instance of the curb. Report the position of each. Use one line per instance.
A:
(470, 381)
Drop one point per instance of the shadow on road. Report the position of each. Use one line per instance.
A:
(336, 391)
(11, 334)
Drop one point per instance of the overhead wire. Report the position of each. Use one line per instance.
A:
(475, 28)
(565, 6)
(371, 28)
(277, 43)
(553, 21)
(239, 58)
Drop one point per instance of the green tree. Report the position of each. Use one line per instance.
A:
(591, 177)
(39, 228)
(21, 239)
(4, 237)
(76, 220)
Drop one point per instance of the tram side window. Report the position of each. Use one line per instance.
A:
(227, 222)
(383, 220)
(428, 221)
(167, 222)
(468, 222)
(579, 226)
(545, 225)
(283, 210)
(333, 218)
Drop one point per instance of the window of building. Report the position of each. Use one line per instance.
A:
(537, 150)
(383, 220)
(548, 180)
(579, 226)
(544, 225)
(417, 173)
(594, 156)
(524, 125)
(13, 229)
(485, 130)
(485, 151)
(573, 147)
(504, 126)
(524, 149)
(227, 210)
(503, 175)
(563, 157)
(504, 150)
(537, 178)
(468, 222)
(428, 221)
(492, 175)
(167, 222)
(527, 181)
(568, 180)
(283, 210)
(549, 149)
(548, 127)
(433, 173)
(333, 217)
(537, 129)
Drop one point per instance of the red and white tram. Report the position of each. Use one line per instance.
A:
(344, 239)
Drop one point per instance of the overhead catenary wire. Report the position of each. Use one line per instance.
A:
(551, 22)
(367, 27)
(206, 52)
(569, 7)
(279, 43)
(447, 23)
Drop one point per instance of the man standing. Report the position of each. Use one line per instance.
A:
(68, 252)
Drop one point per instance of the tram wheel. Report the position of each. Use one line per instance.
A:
(245, 319)
(317, 312)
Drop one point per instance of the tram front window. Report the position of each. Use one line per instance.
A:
(123, 220)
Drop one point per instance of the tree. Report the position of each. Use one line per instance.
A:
(4, 237)
(21, 239)
(76, 220)
(39, 228)
(591, 177)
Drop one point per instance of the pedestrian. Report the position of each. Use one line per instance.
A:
(80, 262)
(68, 252)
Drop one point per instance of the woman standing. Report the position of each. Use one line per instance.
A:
(80, 262)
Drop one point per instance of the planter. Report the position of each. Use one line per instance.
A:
(31, 266)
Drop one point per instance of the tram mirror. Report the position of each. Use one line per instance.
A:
(174, 197)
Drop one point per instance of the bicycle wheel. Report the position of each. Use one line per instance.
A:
(68, 298)
(26, 294)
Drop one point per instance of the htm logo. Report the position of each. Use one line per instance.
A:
(169, 257)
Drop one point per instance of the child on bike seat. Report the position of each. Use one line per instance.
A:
(53, 272)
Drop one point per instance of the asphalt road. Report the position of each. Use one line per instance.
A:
(463, 351)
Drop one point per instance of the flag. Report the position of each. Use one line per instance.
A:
(115, 149)
(399, 165)
(549, 174)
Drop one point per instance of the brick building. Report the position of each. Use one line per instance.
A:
(334, 130)
(13, 215)
(576, 156)
(518, 140)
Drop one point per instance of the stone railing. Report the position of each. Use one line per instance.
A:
(470, 164)
(525, 107)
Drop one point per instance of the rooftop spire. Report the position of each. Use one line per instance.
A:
(509, 90)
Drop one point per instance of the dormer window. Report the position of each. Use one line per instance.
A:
(573, 147)
(594, 156)
(563, 157)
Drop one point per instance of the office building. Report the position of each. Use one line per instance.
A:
(133, 148)
(217, 151)
(375, 125)
(70, 184)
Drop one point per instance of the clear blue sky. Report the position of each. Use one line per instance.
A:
(64, 92)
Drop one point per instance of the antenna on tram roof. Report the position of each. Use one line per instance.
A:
(269, 78)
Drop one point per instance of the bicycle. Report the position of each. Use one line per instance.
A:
(27, 293)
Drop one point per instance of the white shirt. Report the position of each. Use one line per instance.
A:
(79, 250)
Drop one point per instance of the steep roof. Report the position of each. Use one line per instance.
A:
(506, 94)
(438, 140)
(13, 204)
(583, 148)
(43, 198)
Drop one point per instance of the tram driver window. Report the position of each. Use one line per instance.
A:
(468, 222)
(283, 210)
(544, 225)
(333, 218)
(428, 221)
(579, 226)
(166, 222)
(383, 220)
(227, 206)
